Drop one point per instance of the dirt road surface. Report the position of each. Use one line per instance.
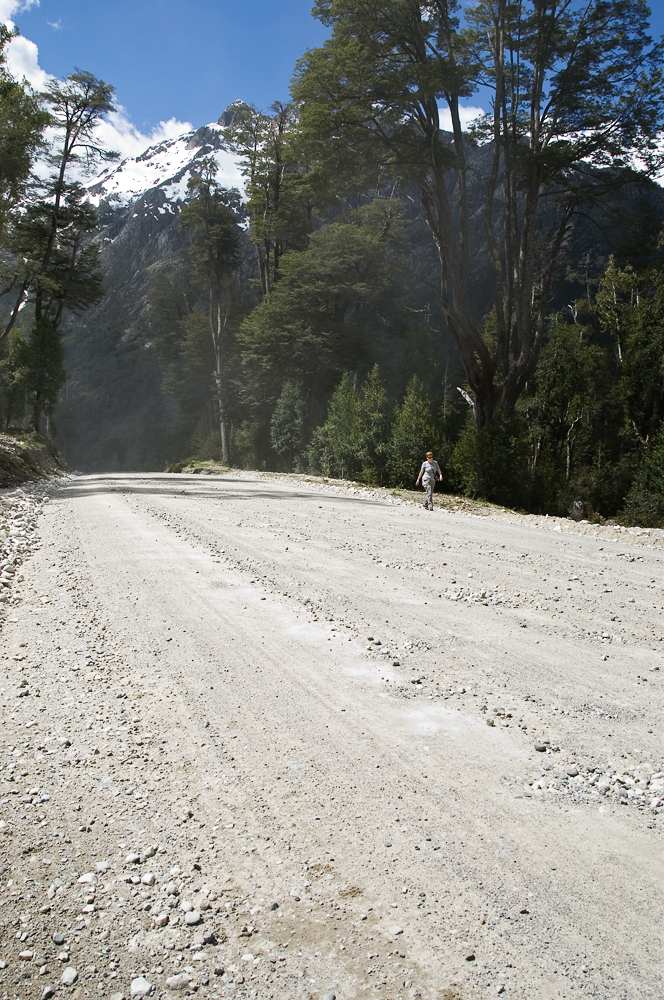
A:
(272, 739)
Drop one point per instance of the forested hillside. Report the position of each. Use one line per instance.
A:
(347, 280)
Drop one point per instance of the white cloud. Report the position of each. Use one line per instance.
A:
(22, 54)
(118, 133)
(23, 61)
(467, 114)
(56, 25)
(10, 7)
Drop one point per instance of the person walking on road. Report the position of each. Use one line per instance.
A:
(430, 469)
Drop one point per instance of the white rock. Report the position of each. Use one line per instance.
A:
(140, 987)
(179, 982)
(149, 878)
(69, 976)
(161, 919)
(102, 866)
(395, 930)
(87, 878)
(192, 918)
(186, 906)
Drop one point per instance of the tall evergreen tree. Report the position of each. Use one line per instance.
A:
(216, 252)
(375, 425)
(22, 124)
(287, 426)
(334, 447)
(276, 196)
(413, 434)
(55, 260)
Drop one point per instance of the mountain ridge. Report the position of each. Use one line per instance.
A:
(163, 165)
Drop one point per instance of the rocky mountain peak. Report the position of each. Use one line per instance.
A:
(165, 167)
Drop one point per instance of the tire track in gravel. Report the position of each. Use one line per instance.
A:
(314, 773)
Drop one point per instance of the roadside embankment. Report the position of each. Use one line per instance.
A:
(27, 458)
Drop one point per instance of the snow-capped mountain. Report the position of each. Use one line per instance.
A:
(138, 203)
(166, 167)
(114, 378)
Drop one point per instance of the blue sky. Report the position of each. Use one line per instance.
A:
(173, 63)
(174, 60)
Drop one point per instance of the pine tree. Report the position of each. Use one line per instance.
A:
(413, 434)
(288, 422)
(334, 448)
(374, 431)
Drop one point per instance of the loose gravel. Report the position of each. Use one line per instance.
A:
(271, 739)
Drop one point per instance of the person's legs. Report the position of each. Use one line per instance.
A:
(428, 500)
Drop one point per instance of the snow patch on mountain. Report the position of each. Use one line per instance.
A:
(167, 165)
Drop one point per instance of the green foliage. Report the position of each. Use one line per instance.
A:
(276, 188)
(216, 247)
(248, 448)
(335, 303)
(492, 462)
(572, 398)
(51, 263)
(633, 308)
(352, 443)
(574, 86)
(22, 124)
(61, 272)
(334, 446)
(216, 253)
(188, 378)
(413, 434)
(43, 358)
(374, 429)
(288, 423)
(644, 504)
(14, 375)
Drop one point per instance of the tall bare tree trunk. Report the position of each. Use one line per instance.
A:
(217, 329)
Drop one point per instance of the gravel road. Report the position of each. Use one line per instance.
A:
(271, 738)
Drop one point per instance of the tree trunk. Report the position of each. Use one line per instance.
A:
(223, 433)
(571, 436)
(217, 331)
